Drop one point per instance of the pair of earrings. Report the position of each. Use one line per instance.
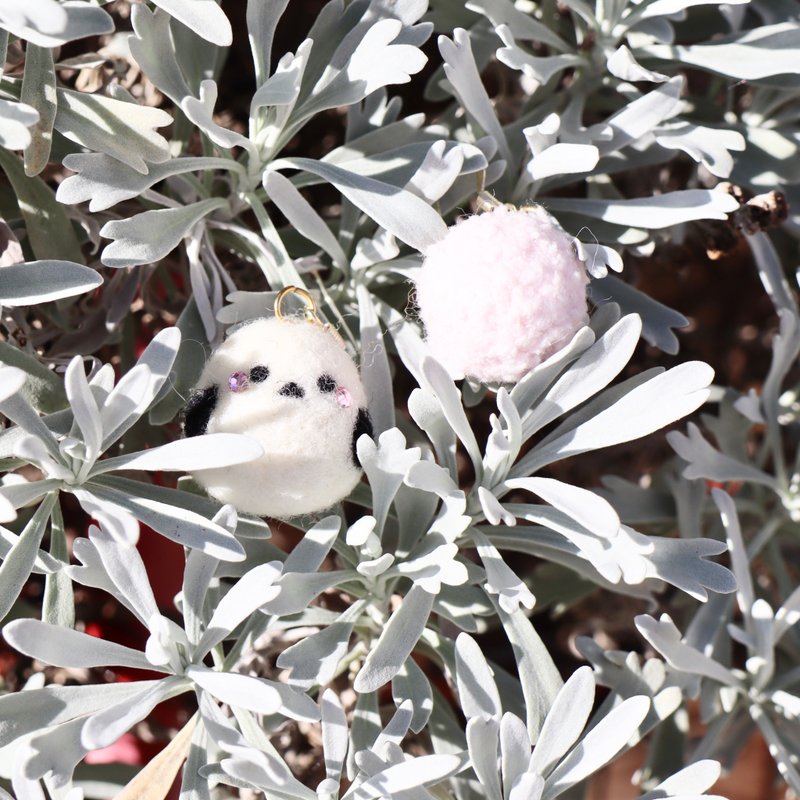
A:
(500, 293)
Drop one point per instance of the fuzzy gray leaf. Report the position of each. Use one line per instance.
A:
(693, 780)
(740, 561)
(375, 371)
(483, 743)
(262, 19)
(62, 647)
(477, 690)
(15, 121)
(596, 367)
(396, 642)
(565, 721)
(402, 213)
(599, 746)
(126, 569)
(624, 66)
(303, 217)
(24, 712)
(708, 146)
(704, 461)
(683, 563)
(386, 463)
(666, 638)
(658, 320)
(243, 691)
(411, 684)
(134, 241)
(411, 774)
(39, 91)
(125, 131)
(585, 507)
(646, 408)
(105, 727)
(105, 181)
(538, 675)
(39, 281)
(213, 450)
(204, 17)
(537, 68)
(654, 213)
(18, 563)
(756, 54)
(252, 590)
(462, 72)
(46, 23)
(42, 388)
(179, 524)
(138, 387)
(526, 26)
(154, 51)
(334, 735)
(314, 659)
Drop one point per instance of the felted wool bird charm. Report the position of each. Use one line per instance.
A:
(288, 383)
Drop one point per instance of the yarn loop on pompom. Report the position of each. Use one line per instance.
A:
(500, 293)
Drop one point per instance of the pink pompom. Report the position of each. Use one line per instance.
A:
(501, 292)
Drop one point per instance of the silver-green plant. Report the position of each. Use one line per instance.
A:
(421, 553)
(755, 458)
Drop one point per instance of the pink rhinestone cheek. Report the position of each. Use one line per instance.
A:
(343, 397)
(238, 381)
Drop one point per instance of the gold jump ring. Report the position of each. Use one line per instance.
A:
(310, 309)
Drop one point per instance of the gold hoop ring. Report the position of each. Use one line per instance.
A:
(310, 310)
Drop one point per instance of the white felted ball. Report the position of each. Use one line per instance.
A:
(290, 385)
(501, 292)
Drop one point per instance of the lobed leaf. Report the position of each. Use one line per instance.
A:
(125, 131)
(105, 727)
(646, 408)
(665, 637)
(134, 240)
(704, 461)
(462, 72)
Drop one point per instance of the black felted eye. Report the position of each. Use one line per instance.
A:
(326, 384)
(259, 374)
